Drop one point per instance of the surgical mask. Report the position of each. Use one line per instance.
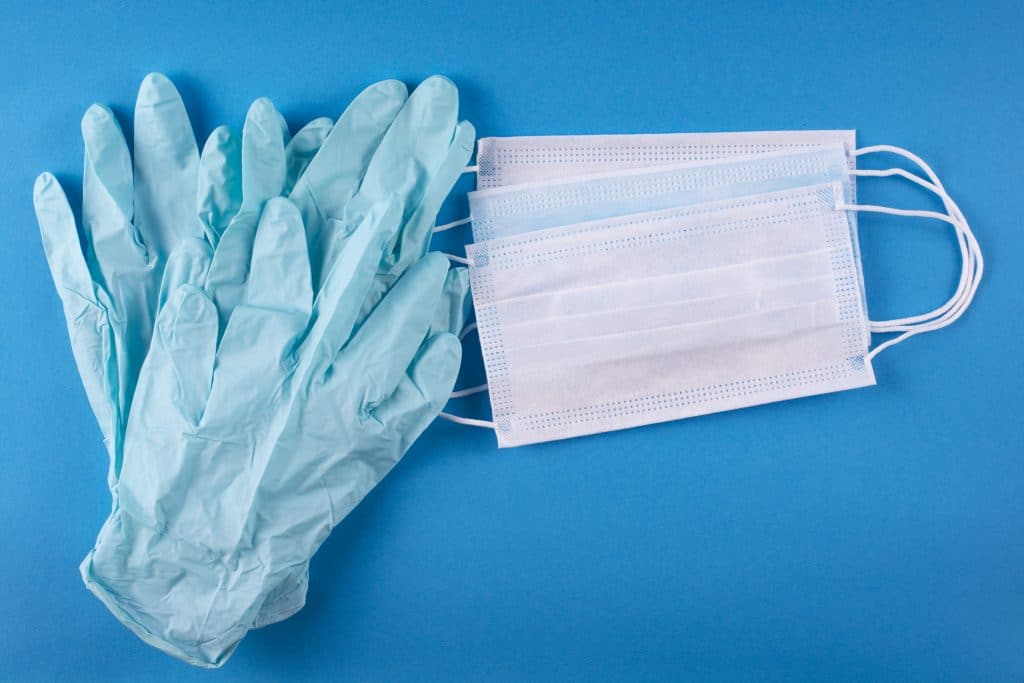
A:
(507, 212)
(518, 160)
(529, 160)
(671, 169)
(596, 313)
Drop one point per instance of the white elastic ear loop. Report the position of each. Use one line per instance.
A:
(459, 259)
(967, 252)
(453, 224)
(970, 252)
(468, 421)
(461, 221)
(460, 393)
(469, 391)
(953, 210)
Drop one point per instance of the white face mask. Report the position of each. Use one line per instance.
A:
(507, 211)
(596, 313)
(658, 316)
(517, 160)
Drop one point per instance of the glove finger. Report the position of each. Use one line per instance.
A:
(220, 182)
(339, 301)
(334, 174)
(263, 160)
(186, 343)
(332, 177)
(422, 391)
(263, 171)
(88, 329)
(107, 201)
(92, 344)
(279, 275)
(252, 362)
(229, 271)
(187, 265)
(348, 475)
(166, 167)
(303, 147)
(415, 238)
(413, 150)
(455, 305)
(385, 345)
(415, 145)
(60, 240)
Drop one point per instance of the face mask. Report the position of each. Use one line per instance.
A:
(523, 161)
(658, 316)
(642, 316)
(507, 211)
(549, 191)
(518, 160)
(510, 211)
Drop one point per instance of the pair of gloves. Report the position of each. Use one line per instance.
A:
(261, 334)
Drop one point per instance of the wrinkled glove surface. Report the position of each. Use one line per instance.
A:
(243, 453)
(152, 223)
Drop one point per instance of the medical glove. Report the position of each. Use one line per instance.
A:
(386, 144)
(135, 211)
(243, 452)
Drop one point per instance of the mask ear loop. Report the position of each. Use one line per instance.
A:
(462, 221)
(461, 393)
(469, 391)
(468, 421)
(466, 331)
(970, 252)
(454, 224)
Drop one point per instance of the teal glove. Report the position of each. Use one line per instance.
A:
(235, 178)
(132, 219)
(110, 285)
(385, 145)
(242, 454)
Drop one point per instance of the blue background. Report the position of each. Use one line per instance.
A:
(868, 535)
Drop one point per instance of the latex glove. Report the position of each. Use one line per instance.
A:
(242, 454)
(133, 217)
(236, 175)
(385, 145)
(134, 213)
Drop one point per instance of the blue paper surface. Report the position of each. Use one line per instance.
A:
(876, 534)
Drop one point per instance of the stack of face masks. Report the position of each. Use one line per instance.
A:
(626, 280)
(261, 334)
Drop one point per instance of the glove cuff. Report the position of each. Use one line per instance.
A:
(286, 599)
(182, 599)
